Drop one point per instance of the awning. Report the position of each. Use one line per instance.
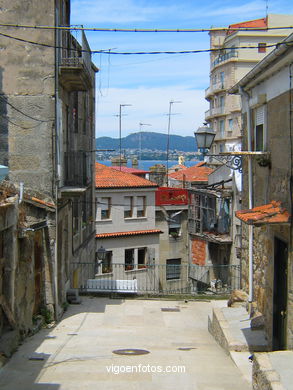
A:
(272, 213)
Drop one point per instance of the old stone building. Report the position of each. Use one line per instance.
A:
(26, 285)
(47, 129)
(267, 257)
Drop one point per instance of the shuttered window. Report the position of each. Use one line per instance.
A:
(259, 128)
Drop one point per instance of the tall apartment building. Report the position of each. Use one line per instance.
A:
(231, 59)
(47, 89)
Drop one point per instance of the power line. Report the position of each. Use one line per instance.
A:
(111, 52)
(145, 30)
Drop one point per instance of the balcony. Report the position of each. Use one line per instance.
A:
(214, 88)
(74, 74)
(224, 57)
(213, 112)
(77, 173)
(209, 215)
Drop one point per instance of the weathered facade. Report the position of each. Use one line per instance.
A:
(47, 128)
(268, 122)
(26, 287)
(171, 219)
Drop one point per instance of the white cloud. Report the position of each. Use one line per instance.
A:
(242, 11)
(150, 105)
(113, 11)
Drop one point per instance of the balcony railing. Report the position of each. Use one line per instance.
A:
(225, 57)
(75, 66)
(216, 111)
(213, 88)
(77, 169)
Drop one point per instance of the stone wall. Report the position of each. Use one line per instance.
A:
(270, 183)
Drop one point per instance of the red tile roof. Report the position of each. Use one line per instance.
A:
(267, 214)
(130, 170)
(261, 23)
(197, 173)
(107, 177)
(131, 233)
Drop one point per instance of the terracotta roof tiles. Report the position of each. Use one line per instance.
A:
(271, 213)
(107, 177)
(134, 171)
(130, 233)
(197, 173)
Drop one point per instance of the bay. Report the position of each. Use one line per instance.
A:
(146, 164)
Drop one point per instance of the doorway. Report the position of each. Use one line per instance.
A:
(280, 294)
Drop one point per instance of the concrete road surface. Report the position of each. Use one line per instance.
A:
(78, 352)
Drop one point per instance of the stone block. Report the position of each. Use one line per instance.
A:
(9, 342)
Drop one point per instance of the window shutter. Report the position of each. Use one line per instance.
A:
(259, 116)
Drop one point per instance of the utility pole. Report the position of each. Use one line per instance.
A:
(120, 150)
(140, 128)
(168, 137)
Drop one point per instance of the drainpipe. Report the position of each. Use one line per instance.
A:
(57, 155)
(250, 197)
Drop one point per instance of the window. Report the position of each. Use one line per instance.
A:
(259, 129)
(173, 269)
(174, 222)
(141, 258)
(222, 148)
(128, 206)
(222, 101)
(231, 123)
(105, 208)
(129, 259)
(262, 47)
(140, 205)
(107, 263)
(222, 78)
(222, 128)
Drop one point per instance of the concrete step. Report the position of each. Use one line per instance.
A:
(231, 329)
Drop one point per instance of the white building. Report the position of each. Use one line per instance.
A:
(125, 226)
(234, 53)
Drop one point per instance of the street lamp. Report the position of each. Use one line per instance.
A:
(205, 137)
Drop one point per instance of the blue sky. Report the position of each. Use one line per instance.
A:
(150, 82)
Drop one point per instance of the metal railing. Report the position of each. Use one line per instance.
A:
(224, 57)
(154, 279)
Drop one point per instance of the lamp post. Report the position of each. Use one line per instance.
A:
(120, 126)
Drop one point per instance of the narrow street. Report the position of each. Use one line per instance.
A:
(77, 353)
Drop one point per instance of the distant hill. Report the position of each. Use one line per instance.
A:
(149, 140)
